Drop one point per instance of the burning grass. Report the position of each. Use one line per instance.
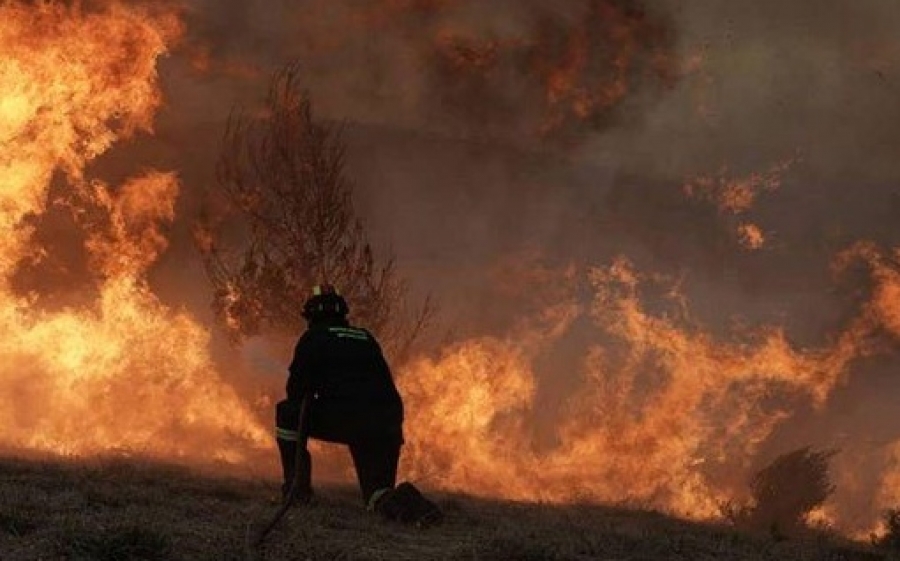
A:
(125, 509)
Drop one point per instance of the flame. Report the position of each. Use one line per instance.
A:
(542, 74)
(751, 236)
(663, 414)
(124, 371)
(880, 319)
(889, 492)
(822, 517)
(736, 196)
(600, 62)
(662, 409)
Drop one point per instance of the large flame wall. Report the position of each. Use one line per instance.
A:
(124, 371)
(661, 410)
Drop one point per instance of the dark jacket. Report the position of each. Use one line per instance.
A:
(354, 396)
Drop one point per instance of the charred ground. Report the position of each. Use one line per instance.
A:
(121, 509)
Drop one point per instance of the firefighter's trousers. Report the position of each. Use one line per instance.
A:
(374, 459)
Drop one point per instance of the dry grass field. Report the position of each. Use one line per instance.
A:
(112, 510)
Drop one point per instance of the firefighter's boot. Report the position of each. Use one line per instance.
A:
(407, 505)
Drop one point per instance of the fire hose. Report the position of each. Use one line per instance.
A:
(300, 478)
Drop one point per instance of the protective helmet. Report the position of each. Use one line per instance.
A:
(325, 302)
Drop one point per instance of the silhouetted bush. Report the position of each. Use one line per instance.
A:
(784, 493)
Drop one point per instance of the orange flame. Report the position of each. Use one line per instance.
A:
(578, 72)
(736, 196)
(596, 68)
(125, 371)
(889, 485)
(661, 407)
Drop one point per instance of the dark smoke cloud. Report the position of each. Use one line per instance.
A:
(460, 68)
(782, 76)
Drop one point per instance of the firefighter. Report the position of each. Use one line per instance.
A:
(352, 400)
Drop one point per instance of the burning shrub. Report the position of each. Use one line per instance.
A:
(282, 176)
(785, 492)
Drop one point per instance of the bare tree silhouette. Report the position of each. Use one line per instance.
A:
(282, 171)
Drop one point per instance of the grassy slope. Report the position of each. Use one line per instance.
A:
(116, 510)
